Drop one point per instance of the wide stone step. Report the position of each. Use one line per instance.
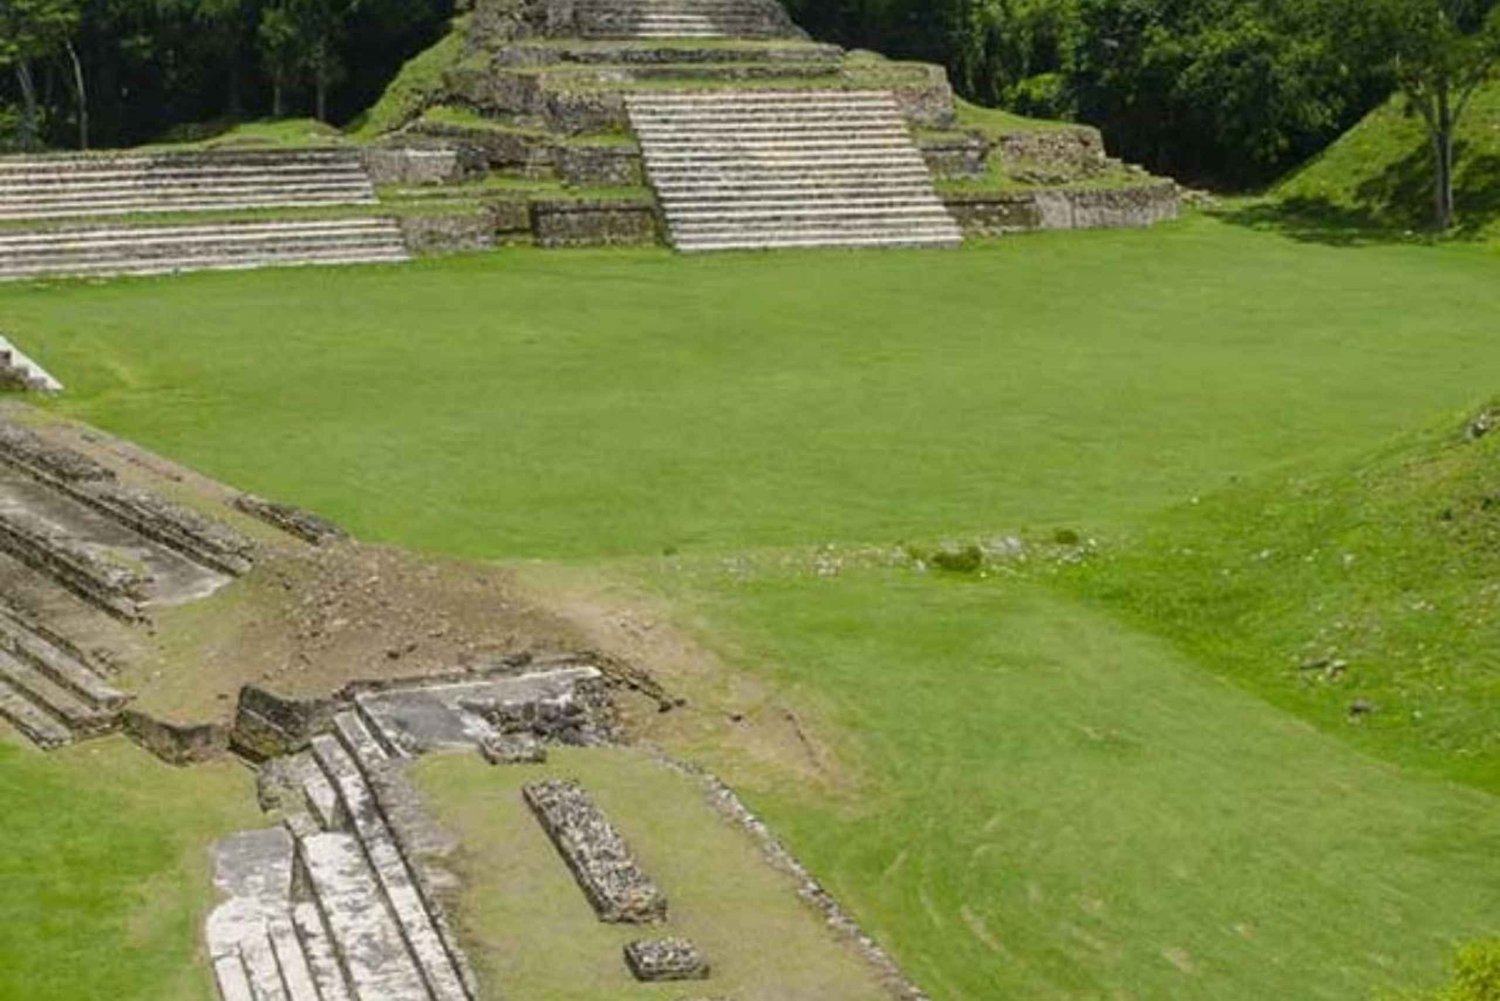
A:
(813, 240)
(337, 756)
(61, 666)
(322, 957)
(83, 239)
(41, 728)
(78, 716)
(361, 924)
(688, 211)
(127, 268)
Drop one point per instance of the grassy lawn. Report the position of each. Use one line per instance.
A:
(578, 405)
(105, 879)
(1061, 807)
(1049, 792)
(534, 935)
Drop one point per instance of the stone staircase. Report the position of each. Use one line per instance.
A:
(77, 251)
(767, 169)
(682, 19)
(55, 187)
(333, 907)
(48, 690)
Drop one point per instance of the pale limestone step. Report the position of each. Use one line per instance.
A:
(322, 959)
(291, 961)
(360, 922)
(337, 756)
(811, 242)
(264, 972)
(42, 729)
(234, 982)
(59, 665)
(67, 708)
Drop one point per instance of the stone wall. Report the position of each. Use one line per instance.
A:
(448, 233)
(955, 157)
(421, 164)
(998, 213)
(1070, 151)
(600, 166)
(174, 743)
(602, 863)
(594, 223)
(498, 148)
(267, 725)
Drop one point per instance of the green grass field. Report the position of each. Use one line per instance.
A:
(534, 935)
(106, 877)
(1061, 783)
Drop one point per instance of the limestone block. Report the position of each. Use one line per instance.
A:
(663, 959)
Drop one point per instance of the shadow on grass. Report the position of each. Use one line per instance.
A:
(1392, 206)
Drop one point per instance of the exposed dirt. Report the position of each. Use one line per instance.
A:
(308, 619)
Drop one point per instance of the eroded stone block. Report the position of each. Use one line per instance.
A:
(601, 861)
(661, 959)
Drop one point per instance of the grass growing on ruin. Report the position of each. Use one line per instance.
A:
(629, 402)
(533, 934)
(105, 878)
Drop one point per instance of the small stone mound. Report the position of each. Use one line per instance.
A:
(513, 749)
(294, 521)
(601, 861)
(664, 959)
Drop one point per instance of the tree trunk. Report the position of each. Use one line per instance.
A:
(29, 110)
(83, 96)
(322, 89)
(1442, 143)
(278, 106)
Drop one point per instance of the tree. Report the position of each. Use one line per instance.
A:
(281, 53)
(1440, 52)
(32, 31)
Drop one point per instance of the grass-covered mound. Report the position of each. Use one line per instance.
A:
(1366, 598)
(1380, 174)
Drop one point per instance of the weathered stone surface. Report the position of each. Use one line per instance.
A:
(23, 448)
(175, 743)
(529, 151)
(113, 587)
(594, 223)
(997, 213)
(601, 861)
(304, 525)
(957, 156)
(17, 371)
(429, 163)
(513, 749)
(1065, 154)
(266, 725)
(599, 166)
(663, 959)
(448, 233)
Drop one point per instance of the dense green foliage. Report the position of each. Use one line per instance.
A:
(1476, 975)
(1230, 91)
(145, 68)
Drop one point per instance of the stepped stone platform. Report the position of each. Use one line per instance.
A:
(673, 19)
(739, 170)
(50, 690)
(55, 187)
(334, 905)
(81, 251)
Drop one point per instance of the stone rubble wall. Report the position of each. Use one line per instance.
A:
(600, 166)
(448, 233)
(602, 863)
(429, 163)
(665, 959)
(309, 527)
(592, 223)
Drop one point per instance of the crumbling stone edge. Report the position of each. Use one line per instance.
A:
(729, 806)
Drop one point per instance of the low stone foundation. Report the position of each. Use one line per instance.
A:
(602, 863)
(594, 222)
(665, 959)
(174, 743)
(115, 589)
(305, 525)
(600, 166)
(1002, 212)
(449, 233)
(426, 164)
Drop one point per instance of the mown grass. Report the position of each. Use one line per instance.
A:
(1084, 811)
(625, 402)
(105, 878)
(1363, 597)
(534, 934)
(1056, 806)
